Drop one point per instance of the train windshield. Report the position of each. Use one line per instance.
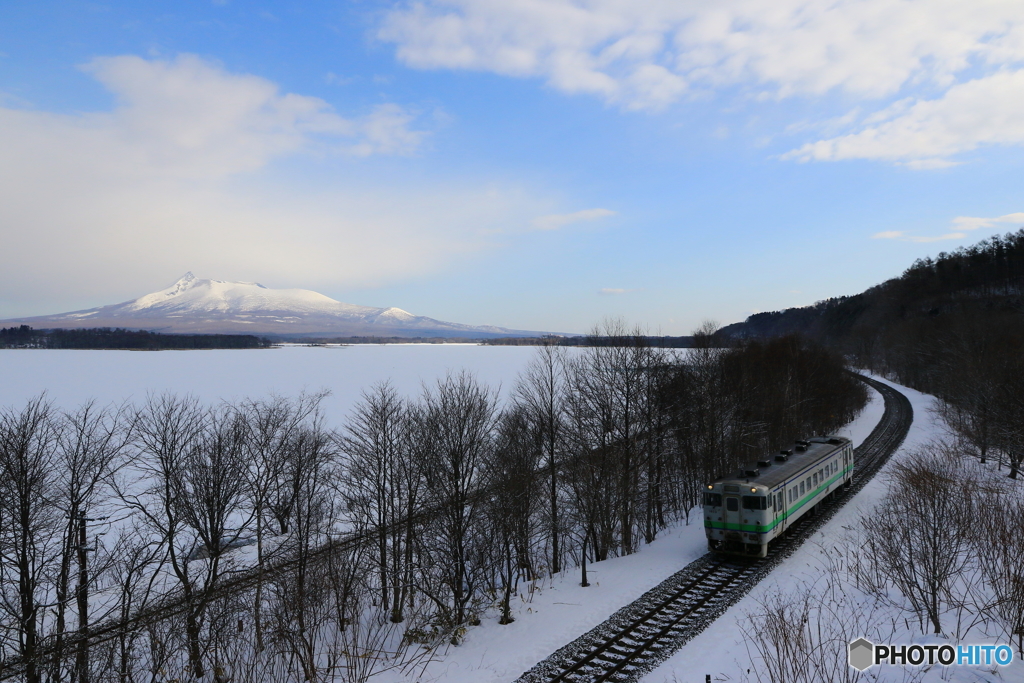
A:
(755, 503)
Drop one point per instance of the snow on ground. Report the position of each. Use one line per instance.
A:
(559, 610)
(549, 613)
(720, 650)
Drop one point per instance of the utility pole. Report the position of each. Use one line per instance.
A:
(81, 673)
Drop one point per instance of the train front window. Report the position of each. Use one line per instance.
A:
(732, 504)
(755, 503)
(713, 499)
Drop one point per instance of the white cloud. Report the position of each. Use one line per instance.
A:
(985, 111)
(560, 220)
(181, 174)
(960, 225)
(973, 223)
(194, 112)
(646, 54)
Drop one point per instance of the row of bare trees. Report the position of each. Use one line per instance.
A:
(927, 540)
(457, 498)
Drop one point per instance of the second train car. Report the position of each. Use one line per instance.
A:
(743, 513)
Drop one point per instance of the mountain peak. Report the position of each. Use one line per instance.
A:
(186, 281)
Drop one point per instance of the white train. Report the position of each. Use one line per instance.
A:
(745, 512)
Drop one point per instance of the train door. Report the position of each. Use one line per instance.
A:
(732, 515)
(780, 511)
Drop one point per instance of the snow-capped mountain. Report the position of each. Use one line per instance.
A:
(215, 306)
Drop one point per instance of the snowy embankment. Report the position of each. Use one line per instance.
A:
(555, 611)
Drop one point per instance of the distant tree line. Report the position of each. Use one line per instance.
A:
(952, 326)
(462, 502)
(24, 336)
(372, 339)
(684, 342)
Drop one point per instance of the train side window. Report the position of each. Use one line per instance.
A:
(732, 504)
(713, 499)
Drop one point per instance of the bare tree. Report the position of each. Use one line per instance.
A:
(135, 566)
(1000, 545)
(270, 427)
(170, 431)
(920, 538)
(382, 487)
(803, 636)
(30, 524)
(541, 391)
(513, 503)
(90, 445)
(302, 613)
(456, 428)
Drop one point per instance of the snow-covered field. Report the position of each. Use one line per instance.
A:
(73, 377)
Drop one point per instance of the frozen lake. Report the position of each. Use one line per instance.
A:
(70, 378)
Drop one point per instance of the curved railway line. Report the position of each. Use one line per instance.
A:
(634, 638)
(646, 632)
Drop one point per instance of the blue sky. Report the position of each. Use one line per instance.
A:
(536, 165)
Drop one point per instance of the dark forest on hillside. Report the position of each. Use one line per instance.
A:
(25, 337)
(951, 326)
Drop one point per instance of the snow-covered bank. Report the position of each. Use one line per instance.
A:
(559, 610)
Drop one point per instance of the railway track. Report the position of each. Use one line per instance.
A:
(641, 635)
(660, 621)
